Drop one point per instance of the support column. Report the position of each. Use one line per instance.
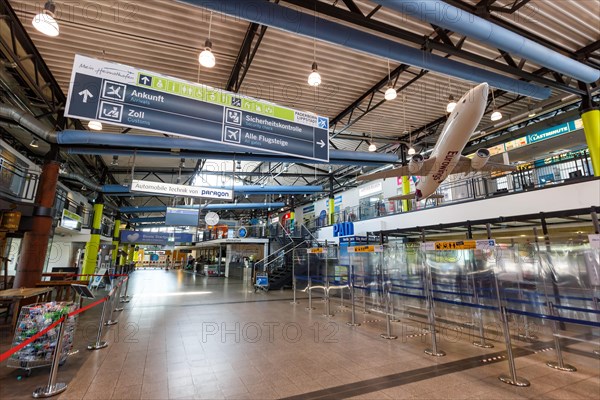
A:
(92, 247)
(116, 241)
(405, 190)
(331, 204)
(123, 259)
(591, 127)
(131, 253)
(35, 242)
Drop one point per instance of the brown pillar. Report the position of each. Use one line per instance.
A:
(35, 242)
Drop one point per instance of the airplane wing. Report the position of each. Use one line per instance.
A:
(400, 171)
(464, 166)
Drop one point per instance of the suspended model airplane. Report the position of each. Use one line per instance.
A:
(446, 156)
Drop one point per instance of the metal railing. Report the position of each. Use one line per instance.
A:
(17, 182)
(477, 188)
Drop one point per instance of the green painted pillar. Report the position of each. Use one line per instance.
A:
(116, 242)
(591, 127)
(92, 247)
(123, 259)
(405, 190)
(331, 211)
(130, 253)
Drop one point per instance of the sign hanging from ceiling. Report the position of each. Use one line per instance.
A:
(180, 190)
(160, 238)
(134, 98)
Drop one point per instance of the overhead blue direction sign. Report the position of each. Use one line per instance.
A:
(125, 96)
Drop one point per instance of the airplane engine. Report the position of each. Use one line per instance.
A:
(416, 163)
(480, 159)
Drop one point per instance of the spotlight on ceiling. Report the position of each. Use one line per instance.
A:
(411, 151)
(372, 147)
(45, 21)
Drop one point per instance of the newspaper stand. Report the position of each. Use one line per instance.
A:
(33, 319)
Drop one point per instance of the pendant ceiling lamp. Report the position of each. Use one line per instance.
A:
(390, 93)
(207, 58)
(45, 21)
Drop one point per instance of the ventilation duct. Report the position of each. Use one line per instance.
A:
(447, 16)
(288, 19)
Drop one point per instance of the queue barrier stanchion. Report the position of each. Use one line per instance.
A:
(364, 296)
(597, 308)
(294, 283)
(526, 334)
(352, 305)
(388, 319)
(328, 313)
(479, 315)
(53, 388)
(117, 297)
(511, 379)
(326, 291)
(559, 364)
(125, 298)
(309, 288)
(433, 351)
(393, 311)
(111, 301)
(99, 344)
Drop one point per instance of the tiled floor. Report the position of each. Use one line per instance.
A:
(188, 337)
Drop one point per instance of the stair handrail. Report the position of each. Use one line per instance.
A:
(287, 252)
(269, 255)
(309, 232)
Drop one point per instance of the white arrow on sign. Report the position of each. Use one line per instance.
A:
(321, 143)
(86, 94)
(145, 80)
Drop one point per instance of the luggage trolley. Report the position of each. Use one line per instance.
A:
(262, 282)
(33, 319)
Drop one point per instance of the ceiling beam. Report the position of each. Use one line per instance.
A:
(353, 7)
(248, 49)
(426, 42)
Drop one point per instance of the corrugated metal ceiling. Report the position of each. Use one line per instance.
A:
(166, 36)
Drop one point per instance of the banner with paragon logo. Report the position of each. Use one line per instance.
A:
(181, 190)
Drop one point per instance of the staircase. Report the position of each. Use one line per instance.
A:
(290, 258)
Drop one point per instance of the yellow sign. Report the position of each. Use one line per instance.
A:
(10, 220)
(460, 245)
(365, 249)
(317, 250)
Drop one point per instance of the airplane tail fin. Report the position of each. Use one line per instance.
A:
(412, 196)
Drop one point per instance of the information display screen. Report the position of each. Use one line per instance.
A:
(181, 217)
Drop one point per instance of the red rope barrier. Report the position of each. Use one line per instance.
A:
(4, 356)
(80, 310)
(12, 351)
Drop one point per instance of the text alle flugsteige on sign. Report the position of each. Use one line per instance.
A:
(126, 96)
